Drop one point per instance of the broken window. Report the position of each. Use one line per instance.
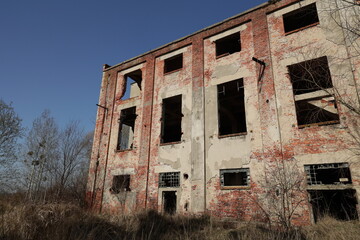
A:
(300, 18)
(331, 173)
(133, 84)
(312, 88)
(339, 204)
(228, 45)
(171, 119)
(126, 128)
(173, 63)
(236, 177)
(231, 108)
(121, 183)
(169, 179)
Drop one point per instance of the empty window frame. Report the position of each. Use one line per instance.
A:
(171, 119)
(300, 18)
(169, 179)
(126, 128)
(173, 64)
(228, 45)
(133, 84)
(330, 173)
(121, 183)
(312, 87)
(231, 108)
(237, 177)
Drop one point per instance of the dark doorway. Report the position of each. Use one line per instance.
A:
(169, 202)
(339, 204)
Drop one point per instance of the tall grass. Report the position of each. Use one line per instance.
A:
(70, 222)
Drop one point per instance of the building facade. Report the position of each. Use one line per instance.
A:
(234, 119)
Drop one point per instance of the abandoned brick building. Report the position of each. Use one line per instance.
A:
(204, 123)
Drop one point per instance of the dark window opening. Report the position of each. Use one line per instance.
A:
(169, 179)
(228, 45)
(169, 202)
(339, 204)
(231, 108)
(126, 128)
(234, 177)
(121, 183)
(300, 18)
(313, 76)
(133, 84)
(331, 173)
(319, 111)
(173, 63)
(310, 76)
(171, 120)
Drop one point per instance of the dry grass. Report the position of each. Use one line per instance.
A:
(65, 221)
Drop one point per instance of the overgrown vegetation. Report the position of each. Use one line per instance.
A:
(22, 221)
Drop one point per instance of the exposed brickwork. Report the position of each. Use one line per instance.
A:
(272, 133)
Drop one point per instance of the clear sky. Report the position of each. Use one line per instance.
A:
(52, 51)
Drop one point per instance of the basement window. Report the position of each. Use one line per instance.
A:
(237, 177)
(126, 128)
(331, 173)
(169, 179)
(228, 45)
(312, 88)
(300, 18)
(171, 120)
(231, 108)
(173, 64)
(133, 84)
(121, 183)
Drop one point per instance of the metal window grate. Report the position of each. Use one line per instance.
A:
(169, 179)
(313, 171)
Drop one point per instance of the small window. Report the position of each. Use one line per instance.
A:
(300, 18)
(174, 63)
(126, 128)
(121, 183)
(231, 108)
(237, 177)
(171, 119)
(228, 45)
(330, 173)
(133, 84)
(169, 179)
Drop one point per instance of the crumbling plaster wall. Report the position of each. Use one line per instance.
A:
(316, 144)
(172, 157)
(231, 151)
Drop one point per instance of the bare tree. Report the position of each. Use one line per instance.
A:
(10, 131)
(41, 154)
(74, 147)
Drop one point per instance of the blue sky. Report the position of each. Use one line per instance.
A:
(52, 52)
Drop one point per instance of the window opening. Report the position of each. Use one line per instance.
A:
(169, 179)
(228, 45)
(126, 128)
(171, 119)
(231, 108)
(121, 183)
(235, 177)
(173, 63)
(133, 84)
(339, 204)
(331, 173)
(312, 86)
(169, 202)
(300, 18)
